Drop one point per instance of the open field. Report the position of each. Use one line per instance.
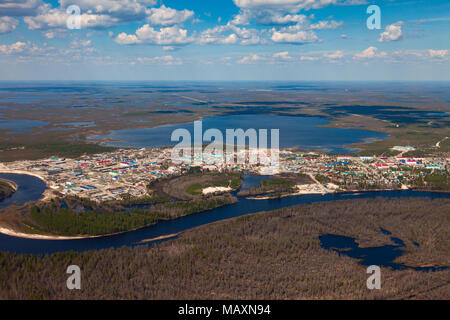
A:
(190, 186)
(273, 255)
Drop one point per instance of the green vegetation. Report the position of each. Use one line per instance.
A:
(196, 189)
(73, 216)
(276, 187)
(277, 183)
(438, 181)
(38, 150)
(69, 223)
(194, 206)
(273, 255)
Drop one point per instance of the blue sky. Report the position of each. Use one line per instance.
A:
(224, 40)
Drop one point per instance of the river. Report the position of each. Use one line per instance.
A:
(31, 189)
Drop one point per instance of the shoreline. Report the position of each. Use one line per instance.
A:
(6, 230)
(12, 184)
(13, 233)
(301, 193)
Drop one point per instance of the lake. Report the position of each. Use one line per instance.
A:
(303, 132)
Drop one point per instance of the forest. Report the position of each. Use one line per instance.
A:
(269, 255)
(73, 216)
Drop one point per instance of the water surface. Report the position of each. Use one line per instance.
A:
(295, 131)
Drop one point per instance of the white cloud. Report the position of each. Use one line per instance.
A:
(437, 53)
(167, 60)
(21, 48)
(55, 18)
(335, 55)
(169, 48)
(49, 35)
(308, 58)
(106, 13)
(267, 17)
(19, 7)
(164, 16)
(230, 34)
(123, 38)
(280, 12)
(124, 10)
(321, 25)
(292, 6)
(17, 47)
(393, 33)
(165, 36)
(250, 59)
(298, 37)
(8, 24)
(80, 43)
(369, 53)
(284, 55)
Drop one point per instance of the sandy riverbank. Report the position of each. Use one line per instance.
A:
(216, 189)
(13, 233)
(3, 169)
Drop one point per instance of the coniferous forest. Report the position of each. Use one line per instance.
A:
(271, 255)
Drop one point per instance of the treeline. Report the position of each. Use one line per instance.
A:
(183, 208)
(38, 150)
(74, 216)
(273, 255)
(67, 222)
(270, 188)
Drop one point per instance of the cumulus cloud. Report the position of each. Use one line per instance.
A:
(17, 47)
(393, 32)
(21, 48)
(107, 13)
(147, 34)
(55, 18)
(369, 53)
(230, 34)
(123, 10)
(285, 5)
(19, 7)
(164, 16)
(8, 24)
(279, 12)
(297, 37)
(267, 17)
(321, 25)
(437, 53)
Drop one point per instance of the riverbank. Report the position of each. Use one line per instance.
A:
(354, 191)
(12, 184)
(13, 233)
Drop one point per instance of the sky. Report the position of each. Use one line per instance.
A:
(238, 40)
